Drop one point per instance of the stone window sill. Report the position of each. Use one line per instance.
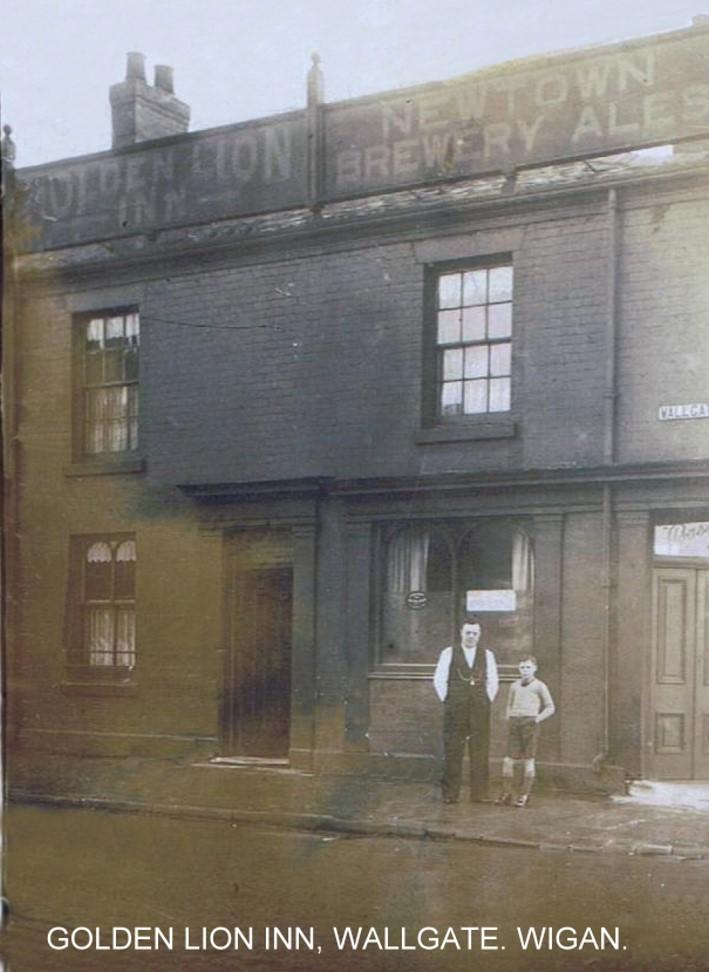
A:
(489, 427)
(99, 467)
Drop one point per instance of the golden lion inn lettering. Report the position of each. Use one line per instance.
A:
(283, 399)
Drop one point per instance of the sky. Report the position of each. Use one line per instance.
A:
(241, 59)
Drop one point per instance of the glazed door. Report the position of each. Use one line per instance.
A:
(256, 710)
(679, 726)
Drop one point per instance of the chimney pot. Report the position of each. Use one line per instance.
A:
(164, 78)
(141, 112)
(135, 66)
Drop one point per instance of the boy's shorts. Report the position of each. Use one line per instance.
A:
(522, 737)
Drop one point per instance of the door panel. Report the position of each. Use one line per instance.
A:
(256, 713)
(673, 648)
(701, 728)
(679, 717)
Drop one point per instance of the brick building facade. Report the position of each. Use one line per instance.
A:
(284, 397)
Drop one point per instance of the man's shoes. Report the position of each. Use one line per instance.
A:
(504, 800)
(522, 801)
(450, 799)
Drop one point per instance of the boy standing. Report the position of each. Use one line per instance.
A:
(528, 703)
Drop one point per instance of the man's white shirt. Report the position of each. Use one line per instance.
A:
(440, 676)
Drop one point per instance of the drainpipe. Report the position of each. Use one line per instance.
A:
(609, 455)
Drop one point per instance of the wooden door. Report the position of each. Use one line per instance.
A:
(256, 710)
(679, 716)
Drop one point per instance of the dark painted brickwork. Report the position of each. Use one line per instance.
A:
(322, 373)
(664, 336)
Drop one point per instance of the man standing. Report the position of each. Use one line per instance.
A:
(466, 682)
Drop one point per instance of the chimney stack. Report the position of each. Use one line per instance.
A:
(140, 111)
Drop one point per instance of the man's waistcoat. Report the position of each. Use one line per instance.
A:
(466, 684)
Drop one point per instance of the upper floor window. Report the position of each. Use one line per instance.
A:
(102, 596)
(108, 351)
(473, 340)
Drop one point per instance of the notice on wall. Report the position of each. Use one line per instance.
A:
(682, 540)
(499, 600)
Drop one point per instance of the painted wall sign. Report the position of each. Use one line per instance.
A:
(502, 600)
(246, 169)
(563, 108)
(695, 410)
(416, 600)
(682, 540)
(540, 110)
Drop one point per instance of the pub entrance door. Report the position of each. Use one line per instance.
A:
(257, 677)
(679, 695)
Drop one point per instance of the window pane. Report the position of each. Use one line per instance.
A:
(114, 332)
(113, 365)
(94, 334)
(132, 329)
(475, 287)
(501, 283)
(97, 580)
(94, 369)
(475, 397)
(452, 364)
(474, 324)
(99, 635)
(449, 290)
(500, 395)
(125, 636)
(476, 361)
(95, 413)
(130, 364)
(449, 327)
(500, 359)
(125, 579)
(452, 398)
(499, 320)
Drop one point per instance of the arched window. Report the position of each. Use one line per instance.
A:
(497, 556)
(432, 573)
(418, 592)
(104, 633)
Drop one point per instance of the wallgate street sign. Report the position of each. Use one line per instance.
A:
(540, 110)
(693, 410)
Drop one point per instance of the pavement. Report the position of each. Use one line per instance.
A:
(669, 820)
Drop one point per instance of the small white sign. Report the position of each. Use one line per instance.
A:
(694, 410)
(503, 600)
(682, 540)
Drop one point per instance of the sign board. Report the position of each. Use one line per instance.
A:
(251, 168)
(558, 108)
(416, 600)
(682, 540)
(501, 600)
(537, 111)
(695, 410)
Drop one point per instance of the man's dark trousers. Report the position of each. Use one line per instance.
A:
(466, 716)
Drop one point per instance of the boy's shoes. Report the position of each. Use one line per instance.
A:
(522, 801)
(504, 800)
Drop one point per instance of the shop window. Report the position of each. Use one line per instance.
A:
(430, 574)
(102, 606)
(472, 341)
(107, 385)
